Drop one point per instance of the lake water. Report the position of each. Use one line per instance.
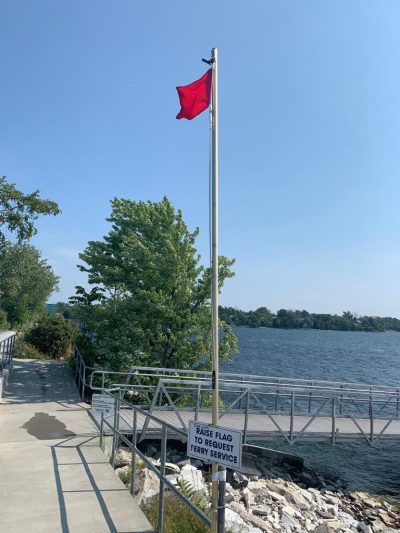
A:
(372, 358)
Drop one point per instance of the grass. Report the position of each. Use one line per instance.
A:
(178, 518)
(24, 350)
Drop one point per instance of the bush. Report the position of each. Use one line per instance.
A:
(24, 350)
(52, 335)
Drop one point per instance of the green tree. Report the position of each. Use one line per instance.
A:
(26, 281)
(19, 211)
(155, 308)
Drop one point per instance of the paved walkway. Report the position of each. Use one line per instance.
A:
(53, 475)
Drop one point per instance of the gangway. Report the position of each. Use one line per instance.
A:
(264, 408)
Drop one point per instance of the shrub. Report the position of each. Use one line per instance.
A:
(24, 350)
(52, 335)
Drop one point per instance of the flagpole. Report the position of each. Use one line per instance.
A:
(214, 279)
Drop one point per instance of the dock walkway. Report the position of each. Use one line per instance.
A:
(53, 475)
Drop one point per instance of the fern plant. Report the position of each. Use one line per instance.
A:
(189, 491)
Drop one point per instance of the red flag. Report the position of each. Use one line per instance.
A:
(195, 97)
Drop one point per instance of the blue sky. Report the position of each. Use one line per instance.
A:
(309, 135)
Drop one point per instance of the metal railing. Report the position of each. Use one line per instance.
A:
(7, 348)
(81, 371)
(121, 409)
(288, 405)
(177, 390)
(138, 374)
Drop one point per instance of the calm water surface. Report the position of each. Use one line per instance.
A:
(372, 358)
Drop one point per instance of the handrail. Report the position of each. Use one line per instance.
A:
(118, 436)
(165, 389)
(153, 372)
(7, 348)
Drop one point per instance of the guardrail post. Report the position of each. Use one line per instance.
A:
(198, 396)
(134, 441)
(76, 363)
(292, 417)
(162, 472)
(333, 420)
(246, 418)
(341, 399)
(276, 396)
(83, 381)
(102, 430)
(310, 398)
(8, 350)
(115, 429)
(398, 402)
(371, 414)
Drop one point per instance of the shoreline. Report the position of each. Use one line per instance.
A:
(272, 492)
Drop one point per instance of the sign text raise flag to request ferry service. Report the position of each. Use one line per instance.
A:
(215, 444)
(195, 97)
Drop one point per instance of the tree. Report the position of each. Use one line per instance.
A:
(155, 308)
(19, 211)
(26, 281)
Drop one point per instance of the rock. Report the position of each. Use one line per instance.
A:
(324, 514)
(122, 458)
(148, 485)
(248, 497)
(277, 497)
(262, 510)
(329, 527)
(347, 519)
(306, 494)
(387, 519)
(185, 462)
(193, 476)
(231, 494)
(288, 523)
(123, 471)
(366, 499)
(331, 499)
(234, 523)
(247, 517)
(363, 528)
(287, 509)
(256, 487)
(170, 468)
(386, 506)
(293, 496)
(237, 480)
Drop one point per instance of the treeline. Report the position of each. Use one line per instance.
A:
(26, 279)
(289, 319)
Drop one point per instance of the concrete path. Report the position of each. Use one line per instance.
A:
(53, 475)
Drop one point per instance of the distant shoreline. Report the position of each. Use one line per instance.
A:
(315, 329)
(296, 319)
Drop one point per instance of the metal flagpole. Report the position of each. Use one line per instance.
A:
(214, 279)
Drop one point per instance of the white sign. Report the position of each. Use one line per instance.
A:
(103, 404)
(215, 444)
